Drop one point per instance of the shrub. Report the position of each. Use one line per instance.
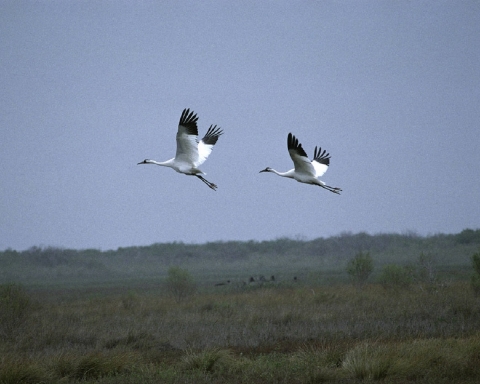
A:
(130, 301)
(360, 268)
(475, 283)
(476, 262)
(15, 306)
(394, 277)
(180, 283)
(475, 280)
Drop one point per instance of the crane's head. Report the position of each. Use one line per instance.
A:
(146, 161)
(268, 169)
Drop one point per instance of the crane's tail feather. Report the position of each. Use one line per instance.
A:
(211, 185)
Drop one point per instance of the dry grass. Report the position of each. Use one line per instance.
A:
(275, 334)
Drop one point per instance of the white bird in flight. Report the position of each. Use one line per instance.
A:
(191, 153)
(306, 171)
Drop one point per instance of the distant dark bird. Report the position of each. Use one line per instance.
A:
(191, 153)
(306, 171)
(251, 280)
(272, 278)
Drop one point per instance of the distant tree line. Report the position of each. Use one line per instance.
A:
(342, 246)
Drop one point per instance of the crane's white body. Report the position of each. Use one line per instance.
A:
(191, 153)
(306, 171)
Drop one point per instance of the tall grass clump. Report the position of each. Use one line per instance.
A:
(15, 306)
(211, 361)
(318, 363)
(367, 361)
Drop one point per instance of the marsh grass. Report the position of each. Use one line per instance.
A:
(15, 306)
(220, 361)
(283, 334)
(100, 364)
(15, 370)
(367, 361)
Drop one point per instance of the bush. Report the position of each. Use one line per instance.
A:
(476, 262)
(394, 277)
(475, 283)
(180, 283)
(15, 305)
(360, 268)
(475, 280)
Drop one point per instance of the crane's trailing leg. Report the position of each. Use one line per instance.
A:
(211, 185)
(332, 189)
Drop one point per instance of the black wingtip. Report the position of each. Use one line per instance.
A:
(321, 157)
(212, 135)
(188, 117)
(293, 144)
(189, 121)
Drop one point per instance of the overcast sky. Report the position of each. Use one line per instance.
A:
(90, 88)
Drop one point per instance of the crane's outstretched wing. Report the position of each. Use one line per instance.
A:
(299, 157)
(321, 161)
(205, 145)
(187, 144)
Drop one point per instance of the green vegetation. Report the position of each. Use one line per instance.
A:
(426, 269)
(74, 327)
(395, 277)
(476, 273)
(270, 334)
(360, 268)
(320, 260)
(15, 306)
(179, 283)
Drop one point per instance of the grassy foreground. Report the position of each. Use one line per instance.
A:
(264, 334)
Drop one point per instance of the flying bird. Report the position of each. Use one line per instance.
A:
(306, 171)
(191, 153)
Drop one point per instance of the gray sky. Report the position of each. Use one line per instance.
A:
(90, 88)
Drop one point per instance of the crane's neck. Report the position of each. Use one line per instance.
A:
(167, 163)
(288, 174)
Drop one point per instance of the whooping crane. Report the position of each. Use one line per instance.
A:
(191, 153)
(306, 171)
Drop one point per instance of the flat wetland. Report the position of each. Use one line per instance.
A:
(74, 320)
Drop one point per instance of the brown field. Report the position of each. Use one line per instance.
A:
(269, 333)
